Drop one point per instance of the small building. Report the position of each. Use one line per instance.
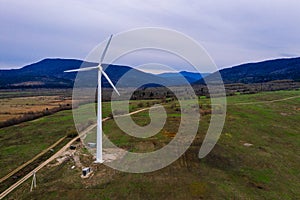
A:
(86, 171)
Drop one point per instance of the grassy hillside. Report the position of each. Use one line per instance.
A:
(267, 169)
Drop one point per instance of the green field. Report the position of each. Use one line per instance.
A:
(269, 169)
(20, 143)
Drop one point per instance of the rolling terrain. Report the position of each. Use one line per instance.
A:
(256, 157)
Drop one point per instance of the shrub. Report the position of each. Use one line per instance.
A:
(140, 104)
(71, 133)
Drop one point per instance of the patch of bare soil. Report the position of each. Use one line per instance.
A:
(111, 154)
(82, 160)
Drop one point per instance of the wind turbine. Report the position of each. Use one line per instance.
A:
(99, 158)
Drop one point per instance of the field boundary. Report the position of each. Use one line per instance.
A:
(32, 116)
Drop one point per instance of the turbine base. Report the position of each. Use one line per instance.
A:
(99, 161)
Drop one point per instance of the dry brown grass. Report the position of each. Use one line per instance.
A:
(4, 117)
(16, 107)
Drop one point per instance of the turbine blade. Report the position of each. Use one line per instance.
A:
(110, 82)
(82, 69)
(105, 50)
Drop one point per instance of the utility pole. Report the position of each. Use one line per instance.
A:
(33, 183)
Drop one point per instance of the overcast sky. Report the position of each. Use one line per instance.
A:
(232, 31)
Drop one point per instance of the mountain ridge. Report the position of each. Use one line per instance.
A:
(49, 73)
(256, 72)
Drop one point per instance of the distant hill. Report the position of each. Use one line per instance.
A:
(191, 77)
(49, 73)
(265, 71)
(45, 73)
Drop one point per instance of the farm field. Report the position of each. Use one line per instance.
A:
(17, 107)
(256, 157)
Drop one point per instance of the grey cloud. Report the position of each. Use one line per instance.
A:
(232, 31)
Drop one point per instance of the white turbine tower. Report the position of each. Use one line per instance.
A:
(99, 158)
